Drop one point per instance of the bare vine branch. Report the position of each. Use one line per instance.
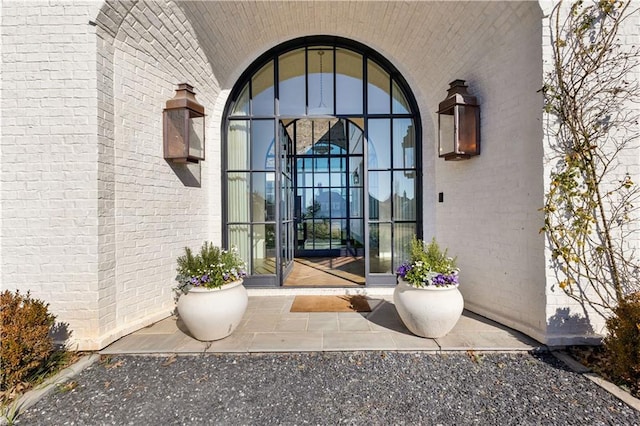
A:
(591, 211)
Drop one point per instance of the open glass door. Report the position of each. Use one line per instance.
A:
(287, 218)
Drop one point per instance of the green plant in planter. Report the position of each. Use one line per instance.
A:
(429, 265)
(213, 267)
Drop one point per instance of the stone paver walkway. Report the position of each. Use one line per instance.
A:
(268, 326)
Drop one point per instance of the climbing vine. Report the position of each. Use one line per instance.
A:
(591, 97)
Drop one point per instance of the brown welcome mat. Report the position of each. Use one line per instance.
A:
(330, 304)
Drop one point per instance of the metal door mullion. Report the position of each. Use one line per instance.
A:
(278, 191)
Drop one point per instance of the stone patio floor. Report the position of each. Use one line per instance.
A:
(268, 326)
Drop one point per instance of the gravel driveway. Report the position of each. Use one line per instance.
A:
(378, 388)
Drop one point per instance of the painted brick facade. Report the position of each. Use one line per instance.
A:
(566, 319)
(93, 217)
(49, 158)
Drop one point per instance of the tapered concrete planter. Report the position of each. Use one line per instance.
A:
(428, 311)
(213, 314)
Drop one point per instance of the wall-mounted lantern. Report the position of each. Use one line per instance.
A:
(184, 127)
(458, 124)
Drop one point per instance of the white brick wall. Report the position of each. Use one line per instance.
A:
(489, 217)
(49, 152)
(93, 217)
(158, 210)
(566, 317)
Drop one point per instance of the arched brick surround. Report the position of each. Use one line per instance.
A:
(494, 46)
(93, 218)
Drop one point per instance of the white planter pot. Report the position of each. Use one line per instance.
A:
(428, 311)
(213, 314)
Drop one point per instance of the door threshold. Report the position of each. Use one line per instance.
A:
(321, 291)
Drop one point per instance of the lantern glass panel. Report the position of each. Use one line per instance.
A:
(467, 143)
(446, 137)
(196, 136)
(175, 127)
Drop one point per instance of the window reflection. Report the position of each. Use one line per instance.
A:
(380, 195)
(263, 197)
(241, 106)
(378, 88)
(403, 144)
(320, 79)
(262, 91)
(380, 248)
(379, 144)
(400, 103)
(404, 195)
(262, 146)
(291, 70)
(348, 82)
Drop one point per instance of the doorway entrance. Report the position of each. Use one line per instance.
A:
(321, 166)
(328, 163)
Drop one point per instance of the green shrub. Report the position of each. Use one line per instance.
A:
(623, 341)
(26, 343)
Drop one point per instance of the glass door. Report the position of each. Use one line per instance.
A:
(329, 188)
(286, 213)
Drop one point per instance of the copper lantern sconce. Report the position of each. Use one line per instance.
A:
(183, 127)
(458, 124)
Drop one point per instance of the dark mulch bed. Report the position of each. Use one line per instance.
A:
(598, 360)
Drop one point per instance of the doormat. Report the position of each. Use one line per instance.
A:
(330, 304)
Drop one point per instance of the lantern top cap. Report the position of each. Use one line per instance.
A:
(457, 94)
(185, 97)
(185, 86)
(457, 87)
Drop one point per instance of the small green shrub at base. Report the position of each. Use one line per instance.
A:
(623, 342)
(26, 342)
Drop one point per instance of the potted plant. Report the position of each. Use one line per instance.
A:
(212, 299)
(427, 296)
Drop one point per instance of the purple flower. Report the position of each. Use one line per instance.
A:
(441, 280)
(403, 269)
(204, 278)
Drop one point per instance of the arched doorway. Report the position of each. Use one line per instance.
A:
(321, 160)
